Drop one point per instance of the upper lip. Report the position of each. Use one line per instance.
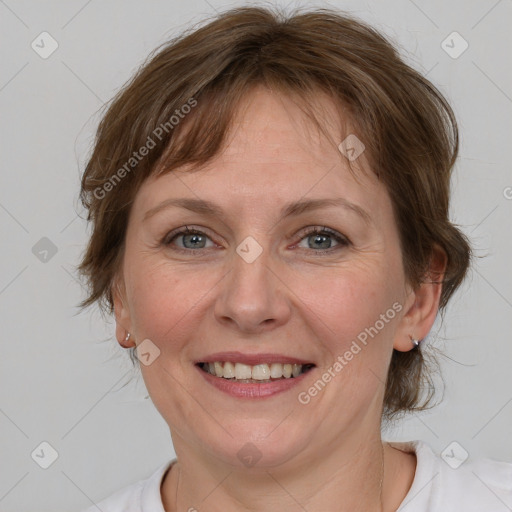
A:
(251, 359)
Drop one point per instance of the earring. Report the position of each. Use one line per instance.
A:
(127, 337)
(414, 341)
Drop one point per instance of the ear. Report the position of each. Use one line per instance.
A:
(422, 304)
(122, 313)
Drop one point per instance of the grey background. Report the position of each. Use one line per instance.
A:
(62, 373)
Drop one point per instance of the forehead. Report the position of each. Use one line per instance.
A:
(273, 153)
(277, 122)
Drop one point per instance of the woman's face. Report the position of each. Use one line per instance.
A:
(257, 286)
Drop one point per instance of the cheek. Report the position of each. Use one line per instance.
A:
(348, 297)
(356, 323)
(165, 299)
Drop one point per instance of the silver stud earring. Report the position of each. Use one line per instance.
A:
(127, 337)
(414, 341)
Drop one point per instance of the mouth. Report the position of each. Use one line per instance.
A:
(253, 376)
(262, 373)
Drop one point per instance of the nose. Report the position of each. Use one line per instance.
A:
(252, 298)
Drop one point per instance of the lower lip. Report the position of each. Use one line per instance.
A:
(252, 390)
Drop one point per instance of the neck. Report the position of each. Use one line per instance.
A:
(347, 477)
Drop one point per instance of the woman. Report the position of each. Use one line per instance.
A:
(269, 199)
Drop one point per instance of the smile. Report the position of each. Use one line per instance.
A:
(259, 373)
(261, 380)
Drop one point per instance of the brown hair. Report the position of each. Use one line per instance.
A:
(192, 86)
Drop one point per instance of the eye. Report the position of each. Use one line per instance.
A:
(319, 238)
(322, 239)
(191, 239)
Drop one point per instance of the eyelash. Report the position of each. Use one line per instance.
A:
(342, 240)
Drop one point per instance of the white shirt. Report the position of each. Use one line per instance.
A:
(484, 485)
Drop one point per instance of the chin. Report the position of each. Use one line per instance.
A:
(258, 444)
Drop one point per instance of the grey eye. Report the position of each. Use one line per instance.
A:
(194, 241)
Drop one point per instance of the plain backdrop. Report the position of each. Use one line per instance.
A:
(64, 379)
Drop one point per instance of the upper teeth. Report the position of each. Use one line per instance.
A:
(257, 372)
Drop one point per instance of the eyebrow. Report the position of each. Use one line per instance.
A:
(210, 209)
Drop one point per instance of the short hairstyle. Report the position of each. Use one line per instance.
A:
(178, 107)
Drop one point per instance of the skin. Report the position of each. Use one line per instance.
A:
(293, 299)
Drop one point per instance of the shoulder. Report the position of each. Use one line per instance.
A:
(141, 496)
(449, 483)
